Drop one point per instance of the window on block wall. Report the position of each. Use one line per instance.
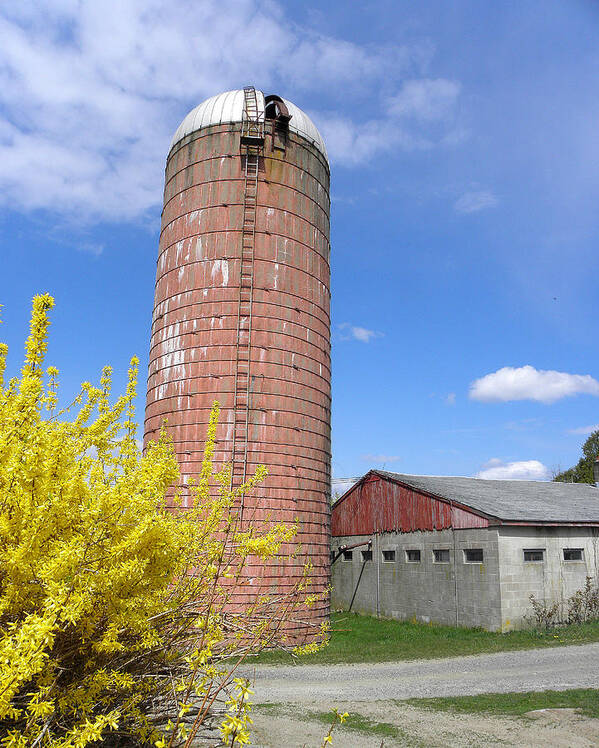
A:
(413, 556)
(534, 555)
(441, 556)
(388, 556)
(573, 554)
(348, 555)
(473, 555)
(366, 555)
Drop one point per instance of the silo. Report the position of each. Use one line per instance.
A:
(241, 311)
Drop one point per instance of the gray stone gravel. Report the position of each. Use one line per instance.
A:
(559, 668)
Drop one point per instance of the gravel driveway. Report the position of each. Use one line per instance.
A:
(558, 668)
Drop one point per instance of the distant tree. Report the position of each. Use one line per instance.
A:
(582, 472)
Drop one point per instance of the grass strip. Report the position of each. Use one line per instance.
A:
(357, 638)
(586, 700)
(357, 722)
(366, 726)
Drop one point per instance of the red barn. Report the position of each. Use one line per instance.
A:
(461, 551)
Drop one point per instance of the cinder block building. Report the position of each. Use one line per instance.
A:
(461, 551)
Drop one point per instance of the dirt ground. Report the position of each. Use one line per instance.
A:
(559, 728)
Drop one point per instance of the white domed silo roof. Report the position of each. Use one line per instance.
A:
(228, 107)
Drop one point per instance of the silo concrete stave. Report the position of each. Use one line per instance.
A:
(242, 310)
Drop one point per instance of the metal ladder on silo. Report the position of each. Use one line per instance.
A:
(251, 146)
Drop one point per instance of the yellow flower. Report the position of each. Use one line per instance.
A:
(97, 567)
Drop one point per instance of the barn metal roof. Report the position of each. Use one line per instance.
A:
(512, 500)
(228, 107)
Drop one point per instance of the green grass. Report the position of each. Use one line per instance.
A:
(357, 638)
(356, 722)
(360, 723)
(584, 699)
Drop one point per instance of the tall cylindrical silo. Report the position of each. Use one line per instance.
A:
(241, 311)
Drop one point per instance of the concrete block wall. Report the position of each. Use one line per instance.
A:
(552, 580)
(422, 590)
(478, 591)
(466, 594)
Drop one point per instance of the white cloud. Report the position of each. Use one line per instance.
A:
(90, 93)
(339, 486)
(337, 62)
(584, 430)
(364, 335)
(425, 99)
(91, 248)
(496, 469)
(524, 424)
(419, 117)
(472, 202)
(380, 458)
(450, 399)
(528, 383)
(358, 333)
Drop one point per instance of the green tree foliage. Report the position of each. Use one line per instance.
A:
(115, 622)
(582, 472)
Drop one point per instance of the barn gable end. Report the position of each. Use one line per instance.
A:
(379, 504)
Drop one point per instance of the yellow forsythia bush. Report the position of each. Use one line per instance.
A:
(114, 623)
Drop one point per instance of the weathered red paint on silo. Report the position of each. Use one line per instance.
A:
(194, 329)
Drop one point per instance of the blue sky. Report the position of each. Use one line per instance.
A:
(464, 145)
